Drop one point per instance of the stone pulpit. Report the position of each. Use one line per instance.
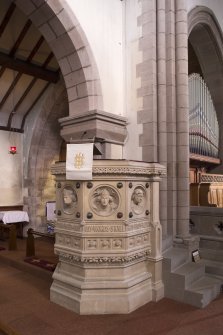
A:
(108, 238)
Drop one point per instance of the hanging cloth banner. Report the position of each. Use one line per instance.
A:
(79, 161)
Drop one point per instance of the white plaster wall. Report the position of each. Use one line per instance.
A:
(11, 170)
(101, 21)
(132, 83)
(215, 5)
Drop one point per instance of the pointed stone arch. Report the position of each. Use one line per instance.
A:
(62, 31)
(78, 91)
(205, 36)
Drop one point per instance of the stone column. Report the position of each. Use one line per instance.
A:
(182, 115)
(171, 117)
(161, 106)
(108, 238)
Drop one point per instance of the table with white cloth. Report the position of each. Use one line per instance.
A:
(18, 218)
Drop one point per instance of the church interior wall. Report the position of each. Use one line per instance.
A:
(133, 57)
(11, 169)
(103, 26)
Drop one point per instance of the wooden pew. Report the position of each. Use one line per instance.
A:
(30, 242)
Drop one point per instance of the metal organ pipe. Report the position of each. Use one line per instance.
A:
(204, 128)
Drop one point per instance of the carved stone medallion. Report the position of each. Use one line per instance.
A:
(138, 200)
(104, 200)
(69, 199)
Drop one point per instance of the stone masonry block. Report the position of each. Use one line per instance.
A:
(74, 61)
(68, 19)
(144, 18)
(88, 88)
(182, 199)
(149, 153)
(182, 170)
(182, 53)
(146, 90)
(149, 27)
(78, 37)
(57, 26)
(146, 116)
(150, 101)
(79, 105)
(85, 56)
(56, 6)
(182, 139)
(149, 136)
(41, 15)
(74, 78)
(181, 27)
(62, 46)
(148, 41)
(65, 66)
(90, 73)
(72, 93)
(183, 126)
(47, 32)
(183, 183)
(181, 15)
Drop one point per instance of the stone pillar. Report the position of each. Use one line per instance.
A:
(182, 114)
(171, 117)
(162, 106)
(108, 238)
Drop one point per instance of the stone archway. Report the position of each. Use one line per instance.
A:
(206, 39)
(79, 91)
(62, 31)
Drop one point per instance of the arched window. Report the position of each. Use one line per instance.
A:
(204, 128)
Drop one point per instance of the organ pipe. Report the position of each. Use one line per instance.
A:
(203, 123)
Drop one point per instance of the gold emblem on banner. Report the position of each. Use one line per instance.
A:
(79, 160)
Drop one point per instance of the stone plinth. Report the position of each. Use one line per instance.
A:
(108, 238)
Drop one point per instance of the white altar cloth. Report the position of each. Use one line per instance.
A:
(14, 216)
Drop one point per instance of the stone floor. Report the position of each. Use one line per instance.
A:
(25, 308)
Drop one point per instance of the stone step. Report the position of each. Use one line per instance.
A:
(202, 291)
(173, 258)
(212, 267)
(190, 272)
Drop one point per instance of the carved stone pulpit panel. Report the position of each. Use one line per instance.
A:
(108, 238)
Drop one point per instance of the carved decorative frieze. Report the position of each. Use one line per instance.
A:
(133, 170)
(66, 257)
(211, 178)
(68, 241)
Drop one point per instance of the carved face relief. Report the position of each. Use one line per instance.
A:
(69, 199)
(104, 200)
(138, 200)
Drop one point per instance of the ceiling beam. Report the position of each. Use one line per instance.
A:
(19, 74)
(27, 68)
(26, 92)
(17, 43)
(7, 17)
